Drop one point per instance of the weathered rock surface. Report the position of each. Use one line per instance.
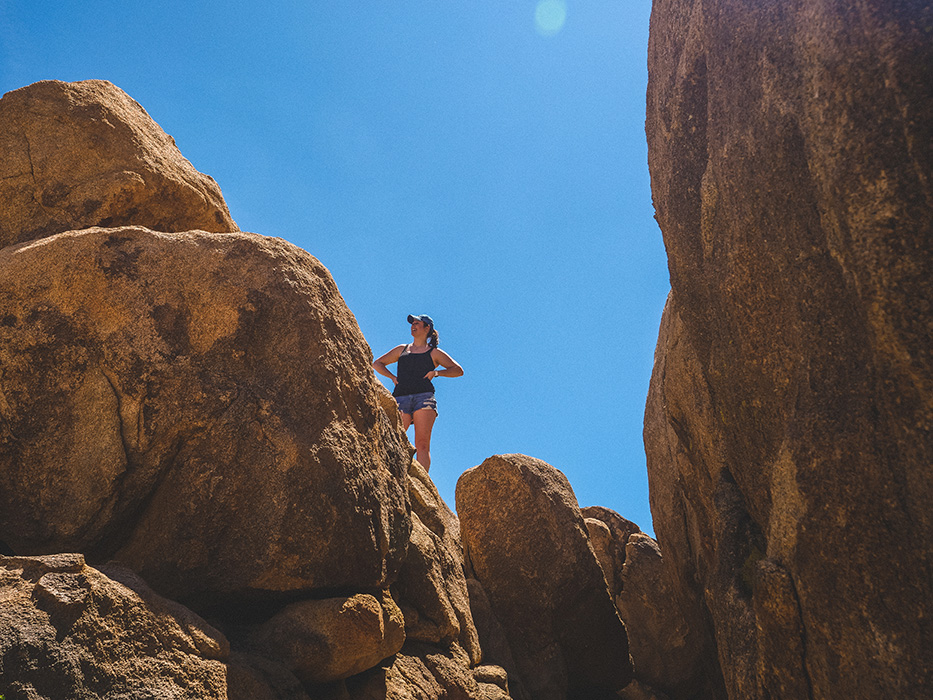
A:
(492, 638)
(423, 672)
(431, 587)
(526, 542)
(199, 406)
(77, 155)
(668, 653)
(789, 420)
(69, 631)
(333, 638)
(609, 533)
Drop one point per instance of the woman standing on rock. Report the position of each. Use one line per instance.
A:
(417, 365)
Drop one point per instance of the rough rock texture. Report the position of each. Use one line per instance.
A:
(431, 587)
(69, 631)
(492, 637)
(526, 542)
(423, 672)
(667, 654)
(789, 420)
(76, 155)
(609, 533)
(333, 638)
(201, 407)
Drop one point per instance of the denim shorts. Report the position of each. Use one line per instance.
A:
(414, 402)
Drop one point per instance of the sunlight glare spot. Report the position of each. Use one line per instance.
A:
(550, 16)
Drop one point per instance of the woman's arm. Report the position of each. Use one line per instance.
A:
(392, 356)
(451, 368)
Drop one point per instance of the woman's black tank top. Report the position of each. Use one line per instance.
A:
(412, 367)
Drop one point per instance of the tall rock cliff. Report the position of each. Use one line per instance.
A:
(789, 425)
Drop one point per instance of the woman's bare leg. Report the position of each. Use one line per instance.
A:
(424, 422)
(406, 420)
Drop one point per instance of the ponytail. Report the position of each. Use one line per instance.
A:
(433, 339)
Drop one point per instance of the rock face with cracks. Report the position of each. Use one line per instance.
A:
(789, 417)
(666, 643)
(77, 155)
(432, 587)
(198, 406)
(67, 630)
(543, 580)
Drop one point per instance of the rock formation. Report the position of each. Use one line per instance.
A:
(665, 640)
(333, 638)
(68, 630)
(195, 410)
(431, 585)
(543, 580)
(198, 406)
(789, 420)
(76, 155)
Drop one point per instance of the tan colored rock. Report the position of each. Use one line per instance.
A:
(620, 529)
(429, 614)
(491, 691)
(333, 638)
(68, 631)
(789, 417)
(77, 155)
(527, 544)
(492, 674)
(609, 533)
(431, 588)
(667, 654)
(606, 550)
(423, 672)
(493, 682)
(199, 406)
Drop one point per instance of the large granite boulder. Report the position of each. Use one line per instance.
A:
(76, 155)
(68, 630)
(527, 544)
(789, 417)
(200, 407)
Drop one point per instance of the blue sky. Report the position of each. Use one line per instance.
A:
(481, 162)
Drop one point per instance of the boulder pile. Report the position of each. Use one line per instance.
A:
(204, 491)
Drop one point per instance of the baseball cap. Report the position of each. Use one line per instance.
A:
(424, 318)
